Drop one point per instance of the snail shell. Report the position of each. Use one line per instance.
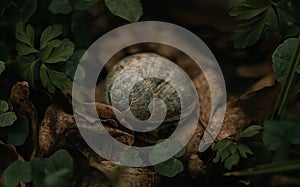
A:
(136, 80)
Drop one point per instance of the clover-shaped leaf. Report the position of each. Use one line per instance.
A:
(164, 148)
(18, 132)
(47, 172)
(17, 171)
(169, 168)
(131, 157)
(6, 118)
(3, 106)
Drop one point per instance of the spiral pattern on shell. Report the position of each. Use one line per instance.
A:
(150, 89)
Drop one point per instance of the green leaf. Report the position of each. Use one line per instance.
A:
(27, 68)
(223, 144)
(44, 54)
(162, 150)
(53, 79)
(224, 155)
(72, 65)
(25, 35)
(130, 10)
(83, 4)
(58, 178)
(3, 106)
(49, 34)
(131, 157)
(232, 161)
(60, 6)
(16, 172)
(244, 150)
(264, 18)
(23, 49)
(271, 22)
(28, 9)
(169, 168)
(277, 132)
(247, 9)
(2, 66)
(248, 34)
(217, 157)
(61, 53)
(251, 131)
(180, 153)
(276, 167)
(53, 171)
(4, 4)
(19, 131)
(44, 172)
(62, 159)
(38, 168)
(282, 58)
(7, 119)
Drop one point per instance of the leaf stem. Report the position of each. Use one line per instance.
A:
(288, 83)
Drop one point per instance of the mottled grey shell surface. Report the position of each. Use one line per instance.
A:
(148, 87)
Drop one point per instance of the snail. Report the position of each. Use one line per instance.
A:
(149, 89)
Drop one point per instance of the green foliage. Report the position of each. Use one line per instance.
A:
(277, 132)
(6, 118)
(263, 19)
(43, 172)
(132, 157)
(130, 10)
(72, 65)
(251, 131)
(229, 152)
(172, 166)
(17, 171)
(18, 132)
(37, 63)
(282, 61)
(169, 168)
